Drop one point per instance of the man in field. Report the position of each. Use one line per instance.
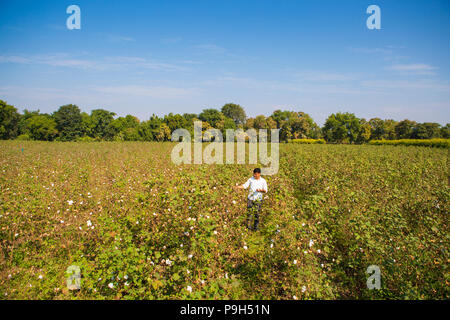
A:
(257, 186)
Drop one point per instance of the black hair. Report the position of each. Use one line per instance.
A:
(257, 170)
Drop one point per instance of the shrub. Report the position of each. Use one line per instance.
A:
(23, 137)
(437, 143)
(309, 141)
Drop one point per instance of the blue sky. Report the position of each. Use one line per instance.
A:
(145, 57)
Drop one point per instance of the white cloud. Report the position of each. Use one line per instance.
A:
(119, 38)
(158, 92)
(104, 64)
(418, 68)
(210, 48)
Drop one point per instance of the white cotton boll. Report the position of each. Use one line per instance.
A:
(303, 288)
(245, 247)
(111, 285)
(189, 288)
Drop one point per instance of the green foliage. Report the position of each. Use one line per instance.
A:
(308, 141)
(69, 122)
(100, 122)
(438, 143)
(24, 137)
(342, 128)
(9, 119)
(234, 112)
(41, 127)
(101, 125)
(212, 116)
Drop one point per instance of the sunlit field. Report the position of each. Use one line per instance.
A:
(140, 227)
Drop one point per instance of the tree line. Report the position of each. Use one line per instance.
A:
(69, 123)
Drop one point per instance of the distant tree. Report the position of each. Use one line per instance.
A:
(22, 126)
(426, 130)
(69, 122)
(148, 130)
(404, 129)
(260, 122)
(9, 120)
(234, 112)
(86, 125)
(342, 128)
(100, 121)
(163, 133)
(124, 129)
(41, 127)
(224, 124)
(249, 123)
(445, 131)
(389, 128)
(175, 121)
(365, 132)
(271, 123)
(190, 117)
(303, 126)
(285, 132)
(382, 129)
(212, 116)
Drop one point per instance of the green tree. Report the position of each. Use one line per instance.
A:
(404, 129)
(341, 128)
(100, 121)
(365, 132)
(234, 112)
(445, 131)
(124, 129)
(212, 116)
(426, 130)
(69, 122)
(285, 132)
(175, 121)
(23, 120)
(9, 120)
(41, 127)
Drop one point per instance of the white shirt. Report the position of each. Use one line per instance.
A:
(255, 184)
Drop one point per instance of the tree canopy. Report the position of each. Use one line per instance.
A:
(68, 123)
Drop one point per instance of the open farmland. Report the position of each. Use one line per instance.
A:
(140, 227)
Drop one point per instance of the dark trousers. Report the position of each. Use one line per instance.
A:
(253, 207)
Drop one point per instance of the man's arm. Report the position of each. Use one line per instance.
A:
(244, 186)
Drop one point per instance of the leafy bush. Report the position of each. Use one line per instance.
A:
(308, 141)
(438, 143)
(24, 137)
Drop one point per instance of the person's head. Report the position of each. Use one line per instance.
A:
(257, 173)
